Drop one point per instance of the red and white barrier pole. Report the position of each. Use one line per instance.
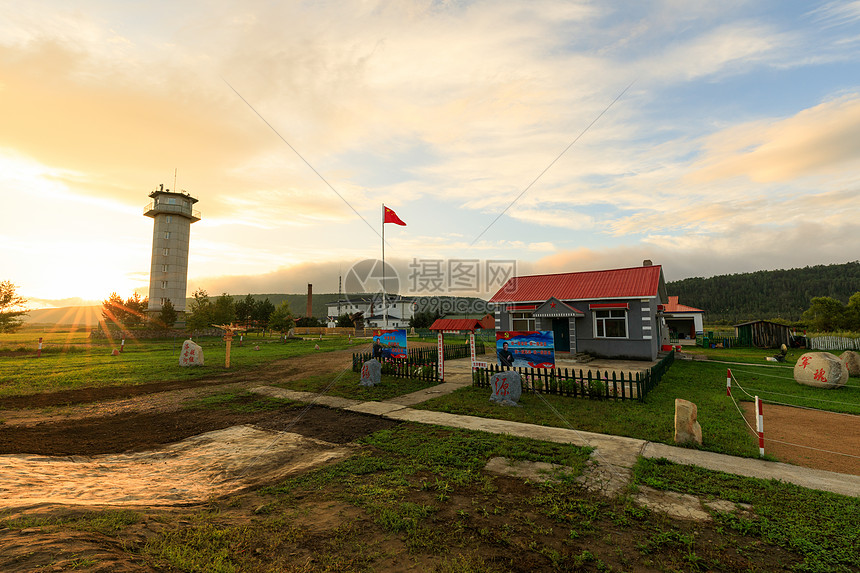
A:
(759, 426)
(122, 345)
(729, 382)
(39, 352)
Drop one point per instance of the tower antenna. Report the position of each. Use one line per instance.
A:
(175, 169)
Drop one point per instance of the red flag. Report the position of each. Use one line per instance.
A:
(391, 217)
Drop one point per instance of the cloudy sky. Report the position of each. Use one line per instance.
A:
(711, 138)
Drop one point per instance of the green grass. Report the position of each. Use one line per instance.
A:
(701, 382)
(824, 528)
(346, 385)
(105, 522)
(142, 362)
(432, 458)
(381, 480)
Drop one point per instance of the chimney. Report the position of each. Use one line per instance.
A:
(310, 300)
(647, 263)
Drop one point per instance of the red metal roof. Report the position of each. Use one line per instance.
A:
(456, 324)
(674, 306)
(614, 283)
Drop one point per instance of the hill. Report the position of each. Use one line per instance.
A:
(766, 294)
(88, 316)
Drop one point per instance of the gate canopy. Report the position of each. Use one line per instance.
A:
(447, 324)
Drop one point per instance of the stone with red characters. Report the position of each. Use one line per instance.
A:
(820, 370)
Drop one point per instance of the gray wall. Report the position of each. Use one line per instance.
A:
(644, 330)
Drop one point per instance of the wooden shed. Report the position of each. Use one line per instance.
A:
(763, 334)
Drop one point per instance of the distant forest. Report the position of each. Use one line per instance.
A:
(766, 295)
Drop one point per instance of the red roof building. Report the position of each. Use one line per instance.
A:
(683, 321)
(615, 313)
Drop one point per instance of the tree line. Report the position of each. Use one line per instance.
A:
(767, 295)
(204, 311)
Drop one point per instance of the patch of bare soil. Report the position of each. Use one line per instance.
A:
(134, 431)
(810, 438)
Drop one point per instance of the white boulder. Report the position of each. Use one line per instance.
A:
(820, 370)
(191, 355)
(851, 360)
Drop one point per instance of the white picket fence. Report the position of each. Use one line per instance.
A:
(832, 343)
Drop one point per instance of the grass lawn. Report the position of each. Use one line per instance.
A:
(701, 382)
(823, 527)
(142, 361)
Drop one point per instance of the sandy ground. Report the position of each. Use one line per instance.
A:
(810, 438)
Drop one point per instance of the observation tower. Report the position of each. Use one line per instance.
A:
(173, 214)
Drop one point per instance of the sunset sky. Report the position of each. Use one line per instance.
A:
(735, 149)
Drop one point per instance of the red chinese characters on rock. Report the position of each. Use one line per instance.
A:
(805, 361)
(820, 375)
(191, 354)
(500, 389)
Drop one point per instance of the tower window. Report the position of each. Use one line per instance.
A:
(166, 234)
(163, 284)
(164, 268)
(168, 218)
(165, 252)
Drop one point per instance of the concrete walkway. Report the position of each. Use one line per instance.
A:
(613, 456)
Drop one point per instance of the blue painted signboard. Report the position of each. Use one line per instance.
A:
(527, 349)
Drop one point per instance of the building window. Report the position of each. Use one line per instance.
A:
(522, 321)
(168, 218)
(163, 284)
(610, 323)
(166, 234)
(164, 301)
(164, 268)
(171, 200)
(165, 252)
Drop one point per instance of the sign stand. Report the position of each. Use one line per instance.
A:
(441, 355)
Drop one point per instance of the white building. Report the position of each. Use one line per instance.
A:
(398, 309)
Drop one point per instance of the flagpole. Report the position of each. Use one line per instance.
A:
(384, 308)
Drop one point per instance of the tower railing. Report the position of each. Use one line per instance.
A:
(151, 209)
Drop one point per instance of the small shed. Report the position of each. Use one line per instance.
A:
(763, 334)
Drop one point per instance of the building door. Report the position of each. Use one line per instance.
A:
(561, 334)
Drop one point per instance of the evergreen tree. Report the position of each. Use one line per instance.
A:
(281, 319)
(12, 308)
(135, 310)
(224, 310)
(167, 317)
(200, 310)
(245, 310)
(113, 309)
(344, 321)
(263, 309)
